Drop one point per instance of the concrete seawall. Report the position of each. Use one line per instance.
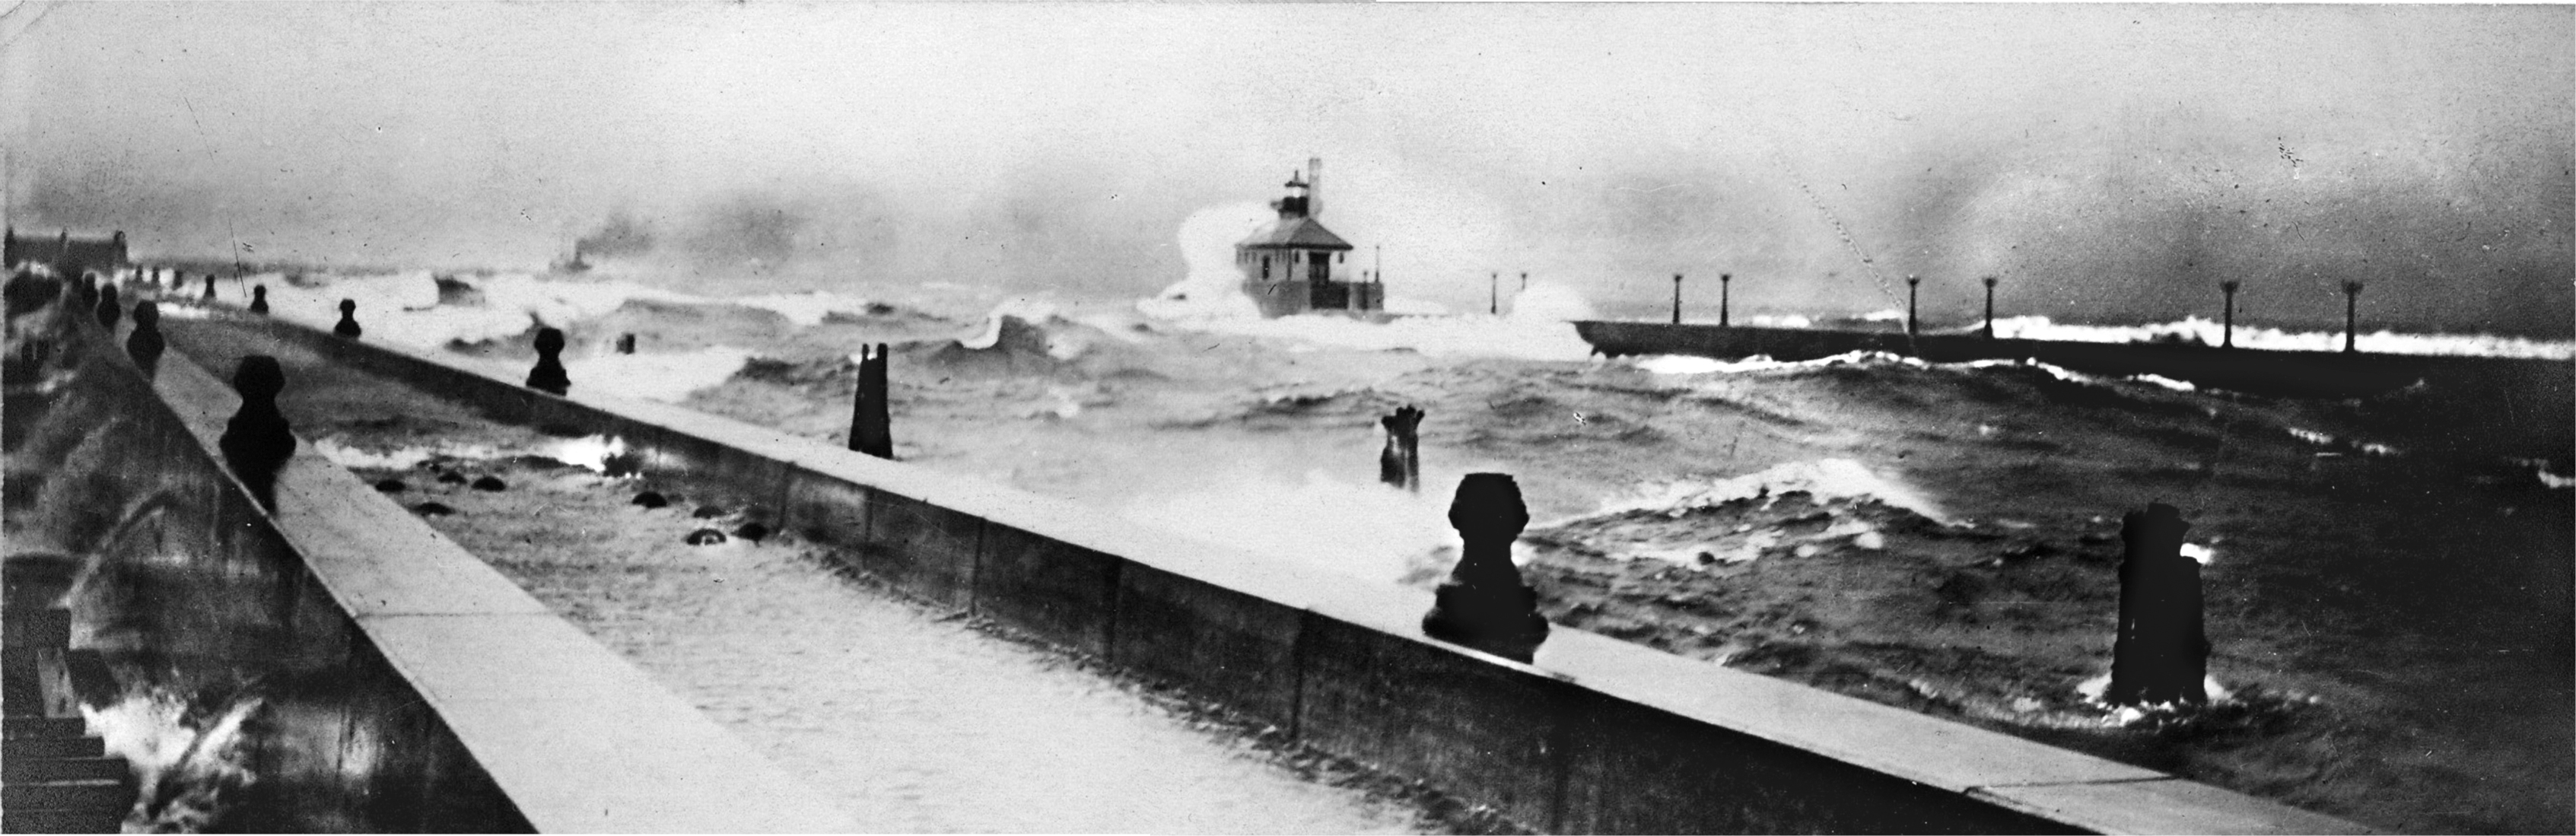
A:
(1595, 736)
(394, 682)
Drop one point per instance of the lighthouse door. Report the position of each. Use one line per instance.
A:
(1320, 268)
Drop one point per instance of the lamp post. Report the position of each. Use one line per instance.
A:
(2351, 292)
(1677, 298)
(2228, 332)
(1724, 280)
(1494, 293)
(1990, 307)
(1913, 284)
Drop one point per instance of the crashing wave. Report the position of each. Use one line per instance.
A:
(2205, 332)
(1680, 364)
(1821, 478)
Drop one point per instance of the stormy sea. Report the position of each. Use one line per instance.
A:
(2388, 578)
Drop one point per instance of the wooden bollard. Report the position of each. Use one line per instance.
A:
(549, 374)
(109, 309)
(2161, 654)
(871, 421)
(258, 441)
(348, 324)
(145, 345)
(259, 299)
(1484, 604)
(1400, 463)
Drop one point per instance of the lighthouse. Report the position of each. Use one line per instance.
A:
(1294, 265)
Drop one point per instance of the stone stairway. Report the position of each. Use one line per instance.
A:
(54, 776)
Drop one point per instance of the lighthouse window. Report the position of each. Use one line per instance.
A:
(1265, 267)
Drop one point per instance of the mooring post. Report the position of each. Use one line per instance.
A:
(257, 441)
(625, 343)
(2351, 292)
(259, 299)
(859, 402)
(1990, 306)
(348, 324)
(871, 420)
(145, 345)
(1913, 286)
(2227, 328)
(1724, 282)
(1484, 604)
(1400, 463)
(109, 310)
(1677, 298)
(2161, 653)
(549, 374)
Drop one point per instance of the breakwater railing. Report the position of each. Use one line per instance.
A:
(1595, 735)
(390, 681)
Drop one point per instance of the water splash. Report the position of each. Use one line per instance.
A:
(1214, 287)
(603, 454)
(1367, 531)
(1821, 478)
(668, 378)
(2197, 330)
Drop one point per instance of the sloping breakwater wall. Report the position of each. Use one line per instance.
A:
(2253, 371)
(1595, 735)
(378, 678)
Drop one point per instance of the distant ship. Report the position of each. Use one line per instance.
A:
(1288, 263)
(575, 265)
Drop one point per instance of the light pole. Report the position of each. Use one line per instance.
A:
(1494, 293)
(2351, 292)
(1677, 298)
(1990, 307)
(1724, 280)
(2228, 338)
(1913, 284)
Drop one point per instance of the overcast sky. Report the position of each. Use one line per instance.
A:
(2108, 161)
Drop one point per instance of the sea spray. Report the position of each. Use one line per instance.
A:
(1371, 532)
(1550, 302)
(668, 378)
(1536, 329)
(1214, 286)
(191, 757)
(2197, 330)
(1822, 478)
(806, 309)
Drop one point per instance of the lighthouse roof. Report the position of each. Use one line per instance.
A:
(1294, 234)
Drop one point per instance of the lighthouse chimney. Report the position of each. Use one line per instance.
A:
(1314, 187)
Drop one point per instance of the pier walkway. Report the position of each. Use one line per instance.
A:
(911, 720)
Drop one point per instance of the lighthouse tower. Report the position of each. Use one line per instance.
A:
(1290, 265)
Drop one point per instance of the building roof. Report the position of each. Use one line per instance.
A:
(1294, 234)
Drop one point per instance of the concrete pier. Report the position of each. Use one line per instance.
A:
(1592, 735)
(397, 684)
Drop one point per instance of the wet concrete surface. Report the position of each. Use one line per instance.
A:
(913, 719)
